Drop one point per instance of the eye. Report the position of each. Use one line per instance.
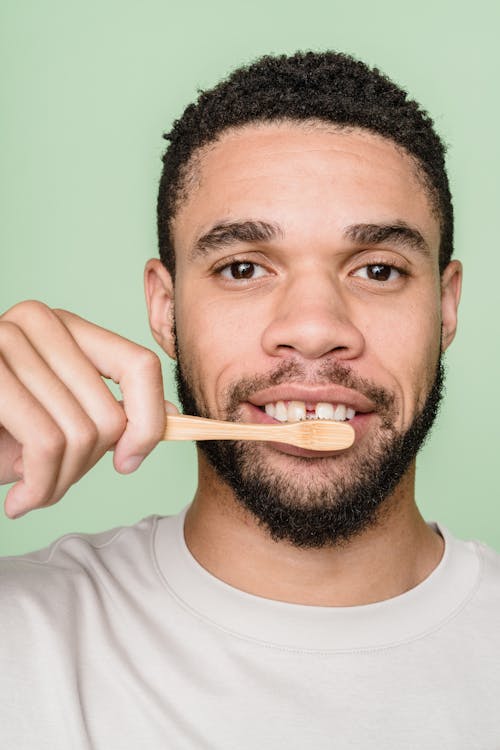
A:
(241, 270)
(379, 272)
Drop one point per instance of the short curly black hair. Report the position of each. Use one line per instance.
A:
(308, 86)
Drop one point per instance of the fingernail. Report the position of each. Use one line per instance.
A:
(171, 408)
(132, 463)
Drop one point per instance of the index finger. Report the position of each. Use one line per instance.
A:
(137, 370)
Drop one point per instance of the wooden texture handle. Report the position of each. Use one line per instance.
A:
(314, 434)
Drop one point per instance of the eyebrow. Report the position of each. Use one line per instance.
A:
(398, 233)
(230, 233)
(226, 234)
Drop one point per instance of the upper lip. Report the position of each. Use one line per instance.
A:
(333, 394)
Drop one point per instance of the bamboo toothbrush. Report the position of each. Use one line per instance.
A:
(317, 435)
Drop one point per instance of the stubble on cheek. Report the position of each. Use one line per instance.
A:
(188, 387)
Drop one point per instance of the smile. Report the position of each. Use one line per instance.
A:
(298, 411)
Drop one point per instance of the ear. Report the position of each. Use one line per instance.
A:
(159, 290)
(451, 287)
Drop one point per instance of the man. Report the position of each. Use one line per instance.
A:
(305, 230)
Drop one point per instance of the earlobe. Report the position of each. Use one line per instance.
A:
(451, 287)
(159, 291)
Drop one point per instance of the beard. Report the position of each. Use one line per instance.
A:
(314, 502)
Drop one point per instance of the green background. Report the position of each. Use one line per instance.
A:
(88, 87)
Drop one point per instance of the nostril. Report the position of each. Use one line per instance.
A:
(312, 334)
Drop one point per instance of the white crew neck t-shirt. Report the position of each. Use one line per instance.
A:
(122, 641)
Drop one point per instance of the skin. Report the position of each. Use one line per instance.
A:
(310, 302)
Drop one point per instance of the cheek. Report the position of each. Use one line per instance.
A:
(421, 334)
(221, 334)
(410, 327)
(406, 347)
(218, 343)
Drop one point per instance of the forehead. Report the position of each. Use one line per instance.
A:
(306, 178)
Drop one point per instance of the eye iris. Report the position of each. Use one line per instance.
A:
(242, 270)
(379, 272)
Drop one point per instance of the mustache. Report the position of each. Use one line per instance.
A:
(329, 373)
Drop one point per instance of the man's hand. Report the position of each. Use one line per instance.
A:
(57, 416)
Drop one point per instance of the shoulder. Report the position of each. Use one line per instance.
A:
(73, 564)
(482, 605)
(490, 568)
(480, 614)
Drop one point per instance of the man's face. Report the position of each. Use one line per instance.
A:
(307, 272)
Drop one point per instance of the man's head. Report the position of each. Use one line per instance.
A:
(308, 206)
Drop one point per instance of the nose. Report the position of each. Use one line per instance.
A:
(312, 318)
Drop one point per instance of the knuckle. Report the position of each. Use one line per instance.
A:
(114, 426)
(84, 437)
(62, 314)
(10, 334)
(146, 361)
(53, 443)
(24, 311)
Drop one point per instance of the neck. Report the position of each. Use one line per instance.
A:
(386, 560)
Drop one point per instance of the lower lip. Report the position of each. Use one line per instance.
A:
(359, 423)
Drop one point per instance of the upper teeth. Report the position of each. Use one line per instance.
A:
(295, 411)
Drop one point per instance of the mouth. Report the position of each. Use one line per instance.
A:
(276, 405)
